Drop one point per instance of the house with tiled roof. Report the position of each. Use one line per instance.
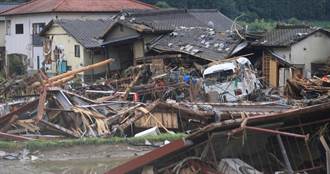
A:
(289, 50)
(24, 22)
(137, 30)
(126, 37)
(73, 43)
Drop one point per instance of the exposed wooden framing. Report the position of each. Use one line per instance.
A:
(59, 128)
(41, 105)
(128, 89)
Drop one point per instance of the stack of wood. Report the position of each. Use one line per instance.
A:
(298, 88)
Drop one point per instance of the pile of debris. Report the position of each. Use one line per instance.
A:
(167, 92)
(299, 88)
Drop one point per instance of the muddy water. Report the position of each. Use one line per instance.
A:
(74, 160)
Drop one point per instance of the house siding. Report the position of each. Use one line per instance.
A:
(22, 43)
(61, 38)
(317, 50)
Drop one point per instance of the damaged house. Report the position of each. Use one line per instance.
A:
(25, 21)
(71, 44)
(290, 50)
(137, 30)
(127, 37)
(199, 42)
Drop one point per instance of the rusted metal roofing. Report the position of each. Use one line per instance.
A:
(47, 6)
(154, 157)
(6, 6)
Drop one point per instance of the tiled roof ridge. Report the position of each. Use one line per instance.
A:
(154, 12)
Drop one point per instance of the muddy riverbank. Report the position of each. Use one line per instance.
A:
(86, 159)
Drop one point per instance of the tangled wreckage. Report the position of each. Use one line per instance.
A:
(235, 123)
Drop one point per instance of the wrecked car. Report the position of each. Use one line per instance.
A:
(231, 80)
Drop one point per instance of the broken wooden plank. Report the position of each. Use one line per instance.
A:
(79, 70)
(14, 137)
(25, 108)
(59, 128)
(41, 105)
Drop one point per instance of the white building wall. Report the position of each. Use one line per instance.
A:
(22, 43)
(313, 49)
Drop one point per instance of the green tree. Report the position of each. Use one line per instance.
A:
(162, 4)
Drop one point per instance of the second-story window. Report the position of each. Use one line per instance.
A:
(19, 29)
(37, 28)
(77, 51)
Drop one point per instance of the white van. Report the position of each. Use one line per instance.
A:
(231, 80)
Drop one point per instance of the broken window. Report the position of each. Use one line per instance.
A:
(77, 50)
(221, 76)
(19, 28)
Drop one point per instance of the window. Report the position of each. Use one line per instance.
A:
(37, 28)
(19, 29)
(77, 51)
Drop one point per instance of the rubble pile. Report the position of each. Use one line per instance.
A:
(299, 88)
(213, 103)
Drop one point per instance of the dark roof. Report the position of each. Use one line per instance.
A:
(44, 6)
(86, 32)
(7, 6)
(283, 36)
(168, 20)
(200, 42)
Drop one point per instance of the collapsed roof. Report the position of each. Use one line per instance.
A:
(199, 42)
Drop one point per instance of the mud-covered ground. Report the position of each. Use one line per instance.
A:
(87, 159)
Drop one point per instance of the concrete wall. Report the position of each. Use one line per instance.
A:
(22, 43)
(315, 48)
